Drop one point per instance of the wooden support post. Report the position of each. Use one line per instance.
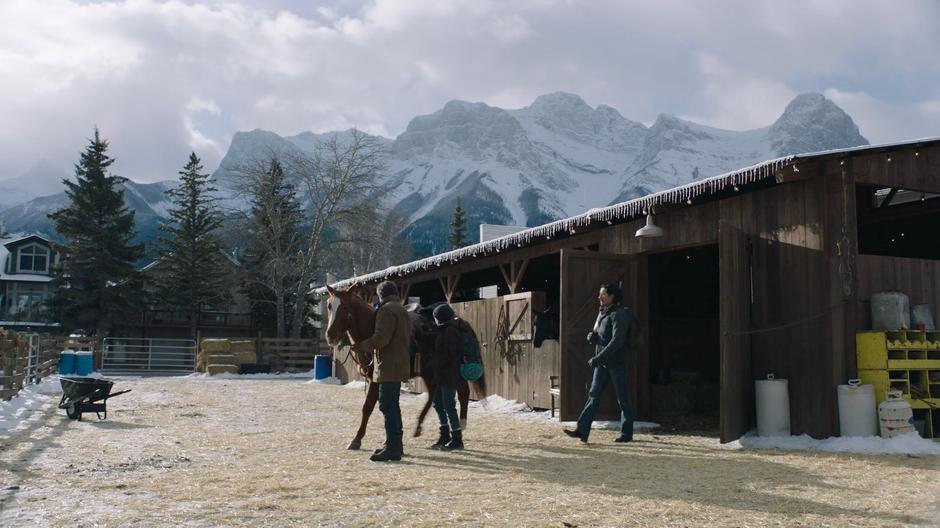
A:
(514, 276)
(450, 285)
(405, 289)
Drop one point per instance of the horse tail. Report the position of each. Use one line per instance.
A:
(480, 386)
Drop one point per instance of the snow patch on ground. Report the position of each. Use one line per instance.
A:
(280, 375)
(33, 399)
(908, 444)
(357, 384)
(332, 380)
(498, 404)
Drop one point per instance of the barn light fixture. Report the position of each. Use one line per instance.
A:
(650, 230)
(889, 157)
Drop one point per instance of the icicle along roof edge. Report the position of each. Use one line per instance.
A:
(628, 209)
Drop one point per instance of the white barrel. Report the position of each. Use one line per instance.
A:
(773, 407)
(857, 410)
(895, 415)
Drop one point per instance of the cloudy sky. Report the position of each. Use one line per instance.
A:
(162, 78)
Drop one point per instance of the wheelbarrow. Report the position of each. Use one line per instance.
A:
(81, 395)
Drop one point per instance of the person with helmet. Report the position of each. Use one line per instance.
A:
(445, 369)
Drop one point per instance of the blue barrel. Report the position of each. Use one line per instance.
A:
(67, 362)
(322, 367)
(83, 363)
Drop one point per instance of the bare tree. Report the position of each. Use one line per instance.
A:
(338, 185)
(341, 182)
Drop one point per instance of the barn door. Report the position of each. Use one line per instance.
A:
(735, 305)
(582, 273)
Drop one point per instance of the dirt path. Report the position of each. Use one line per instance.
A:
(210, 452)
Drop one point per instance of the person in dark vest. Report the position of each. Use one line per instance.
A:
(445, 365)
(390, 343)
(611, 340)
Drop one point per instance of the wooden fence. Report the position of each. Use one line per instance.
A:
(281, 355)
(18, 370)
(289, 355)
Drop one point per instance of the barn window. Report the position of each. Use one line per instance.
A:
(898, 222)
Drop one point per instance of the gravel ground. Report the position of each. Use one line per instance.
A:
(250, 452)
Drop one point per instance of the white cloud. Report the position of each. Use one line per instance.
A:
(163, 77)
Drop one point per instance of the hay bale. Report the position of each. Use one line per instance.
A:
(243, 346)
(217, 345)
(214, 369)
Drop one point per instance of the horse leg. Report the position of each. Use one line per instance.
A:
(372, 396)
(432, 388)
(463, 395)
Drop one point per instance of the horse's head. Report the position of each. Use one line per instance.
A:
(350, 319)
(339, 316)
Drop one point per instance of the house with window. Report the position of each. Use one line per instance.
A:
(26, 275)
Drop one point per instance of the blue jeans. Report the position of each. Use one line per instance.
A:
(389, 393)
(446, 407)
(602, 377)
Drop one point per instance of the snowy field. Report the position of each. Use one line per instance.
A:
(213, 452)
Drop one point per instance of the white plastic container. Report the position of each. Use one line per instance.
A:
(857, 410)
(773, 407)
(895, 415)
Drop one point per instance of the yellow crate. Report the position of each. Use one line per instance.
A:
(903, 349)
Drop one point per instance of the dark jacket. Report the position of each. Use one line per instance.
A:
(445, 359)
(391, 342)
(612, 337)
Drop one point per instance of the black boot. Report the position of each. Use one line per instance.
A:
(393, 451)
(456, 441)
(386, 454)
(443, 439)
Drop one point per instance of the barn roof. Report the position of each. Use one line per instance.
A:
(629, 209)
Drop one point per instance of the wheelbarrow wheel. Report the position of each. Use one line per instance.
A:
(72, 412)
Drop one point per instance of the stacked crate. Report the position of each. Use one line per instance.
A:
(905, 360)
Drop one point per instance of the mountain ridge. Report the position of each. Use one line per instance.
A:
(554, 158)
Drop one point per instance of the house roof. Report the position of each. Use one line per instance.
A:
(632, 208)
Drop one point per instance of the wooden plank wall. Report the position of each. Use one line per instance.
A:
(913, 168)
(919, 279)
(789, 298)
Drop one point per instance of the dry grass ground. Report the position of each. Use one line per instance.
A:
(223, 452)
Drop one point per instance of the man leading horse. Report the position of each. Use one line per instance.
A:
(389, 344)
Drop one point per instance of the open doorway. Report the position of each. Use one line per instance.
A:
(685, 348)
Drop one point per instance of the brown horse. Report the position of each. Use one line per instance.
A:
(352, 320)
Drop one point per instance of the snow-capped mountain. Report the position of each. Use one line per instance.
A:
(557, 157)
(147, 200)
(43, 179)
(554, 158)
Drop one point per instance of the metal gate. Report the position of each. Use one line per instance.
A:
(148, 356)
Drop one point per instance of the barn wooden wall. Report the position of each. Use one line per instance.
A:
(785, 226)
(919, 279)
(789, 298)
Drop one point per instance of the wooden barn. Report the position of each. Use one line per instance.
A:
(767, 269)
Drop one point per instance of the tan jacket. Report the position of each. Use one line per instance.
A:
(391, 342)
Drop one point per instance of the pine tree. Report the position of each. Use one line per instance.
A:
(97, 257)
(191, 272)
(274, 238)
(458, 228)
